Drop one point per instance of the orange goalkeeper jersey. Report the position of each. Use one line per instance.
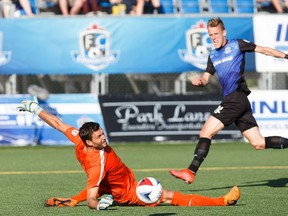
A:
(106, 171)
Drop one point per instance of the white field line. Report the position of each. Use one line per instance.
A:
(141, 170)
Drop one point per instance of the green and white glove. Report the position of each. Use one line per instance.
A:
(105, 202)
(31, 106)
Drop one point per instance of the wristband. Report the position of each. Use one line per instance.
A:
(38, 110)
(286, 56)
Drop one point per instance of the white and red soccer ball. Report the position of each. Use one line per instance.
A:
(149, 190)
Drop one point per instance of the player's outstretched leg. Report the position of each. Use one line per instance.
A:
(231, 198)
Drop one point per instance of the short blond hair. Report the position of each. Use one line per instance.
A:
(214, 22)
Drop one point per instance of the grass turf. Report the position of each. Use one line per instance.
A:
(30, 175)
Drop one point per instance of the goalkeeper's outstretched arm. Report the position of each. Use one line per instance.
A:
(33, 106)
(53, 121)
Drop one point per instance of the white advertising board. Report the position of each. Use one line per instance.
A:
(271, 31)
(23, 128)
(270, 109)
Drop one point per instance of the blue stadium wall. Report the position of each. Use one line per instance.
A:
(85, 45)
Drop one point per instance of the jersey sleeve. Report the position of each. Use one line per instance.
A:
(210, 67)
(73, 135)
(246, 46)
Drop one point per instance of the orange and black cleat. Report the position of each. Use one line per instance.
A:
(233, 196)
(60, 202)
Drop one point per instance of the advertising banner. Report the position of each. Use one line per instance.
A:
(271, 31)
(270, 109)
(159, 118)
(23, 128)
(85, 45)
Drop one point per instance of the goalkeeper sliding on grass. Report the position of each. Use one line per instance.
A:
(107, 174)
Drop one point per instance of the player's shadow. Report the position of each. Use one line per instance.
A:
(282, 182)
(275, 183)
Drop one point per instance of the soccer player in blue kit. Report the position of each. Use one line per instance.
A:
(228, 61)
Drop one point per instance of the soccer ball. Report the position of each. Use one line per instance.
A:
(149, 190)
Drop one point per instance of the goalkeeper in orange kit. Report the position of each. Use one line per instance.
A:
(107, 174)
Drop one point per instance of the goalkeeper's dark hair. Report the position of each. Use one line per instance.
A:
(87, 129)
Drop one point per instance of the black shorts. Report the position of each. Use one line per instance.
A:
(236, 108)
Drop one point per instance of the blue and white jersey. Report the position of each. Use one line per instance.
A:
(229, 62)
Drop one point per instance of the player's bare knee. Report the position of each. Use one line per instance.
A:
(203, 133)
(258, 145)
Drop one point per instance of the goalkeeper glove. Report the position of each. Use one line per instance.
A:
(105, 202)
(30, 106)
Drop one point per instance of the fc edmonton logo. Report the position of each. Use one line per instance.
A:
(198, 46)
(95, 52)
(5, 56)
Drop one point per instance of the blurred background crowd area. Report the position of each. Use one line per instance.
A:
(129, 83)
(18, 8)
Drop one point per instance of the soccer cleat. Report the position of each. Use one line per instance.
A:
(232, 197)
(60, 202)
(185, 174)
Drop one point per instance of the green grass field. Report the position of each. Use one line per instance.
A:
(30, 175)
